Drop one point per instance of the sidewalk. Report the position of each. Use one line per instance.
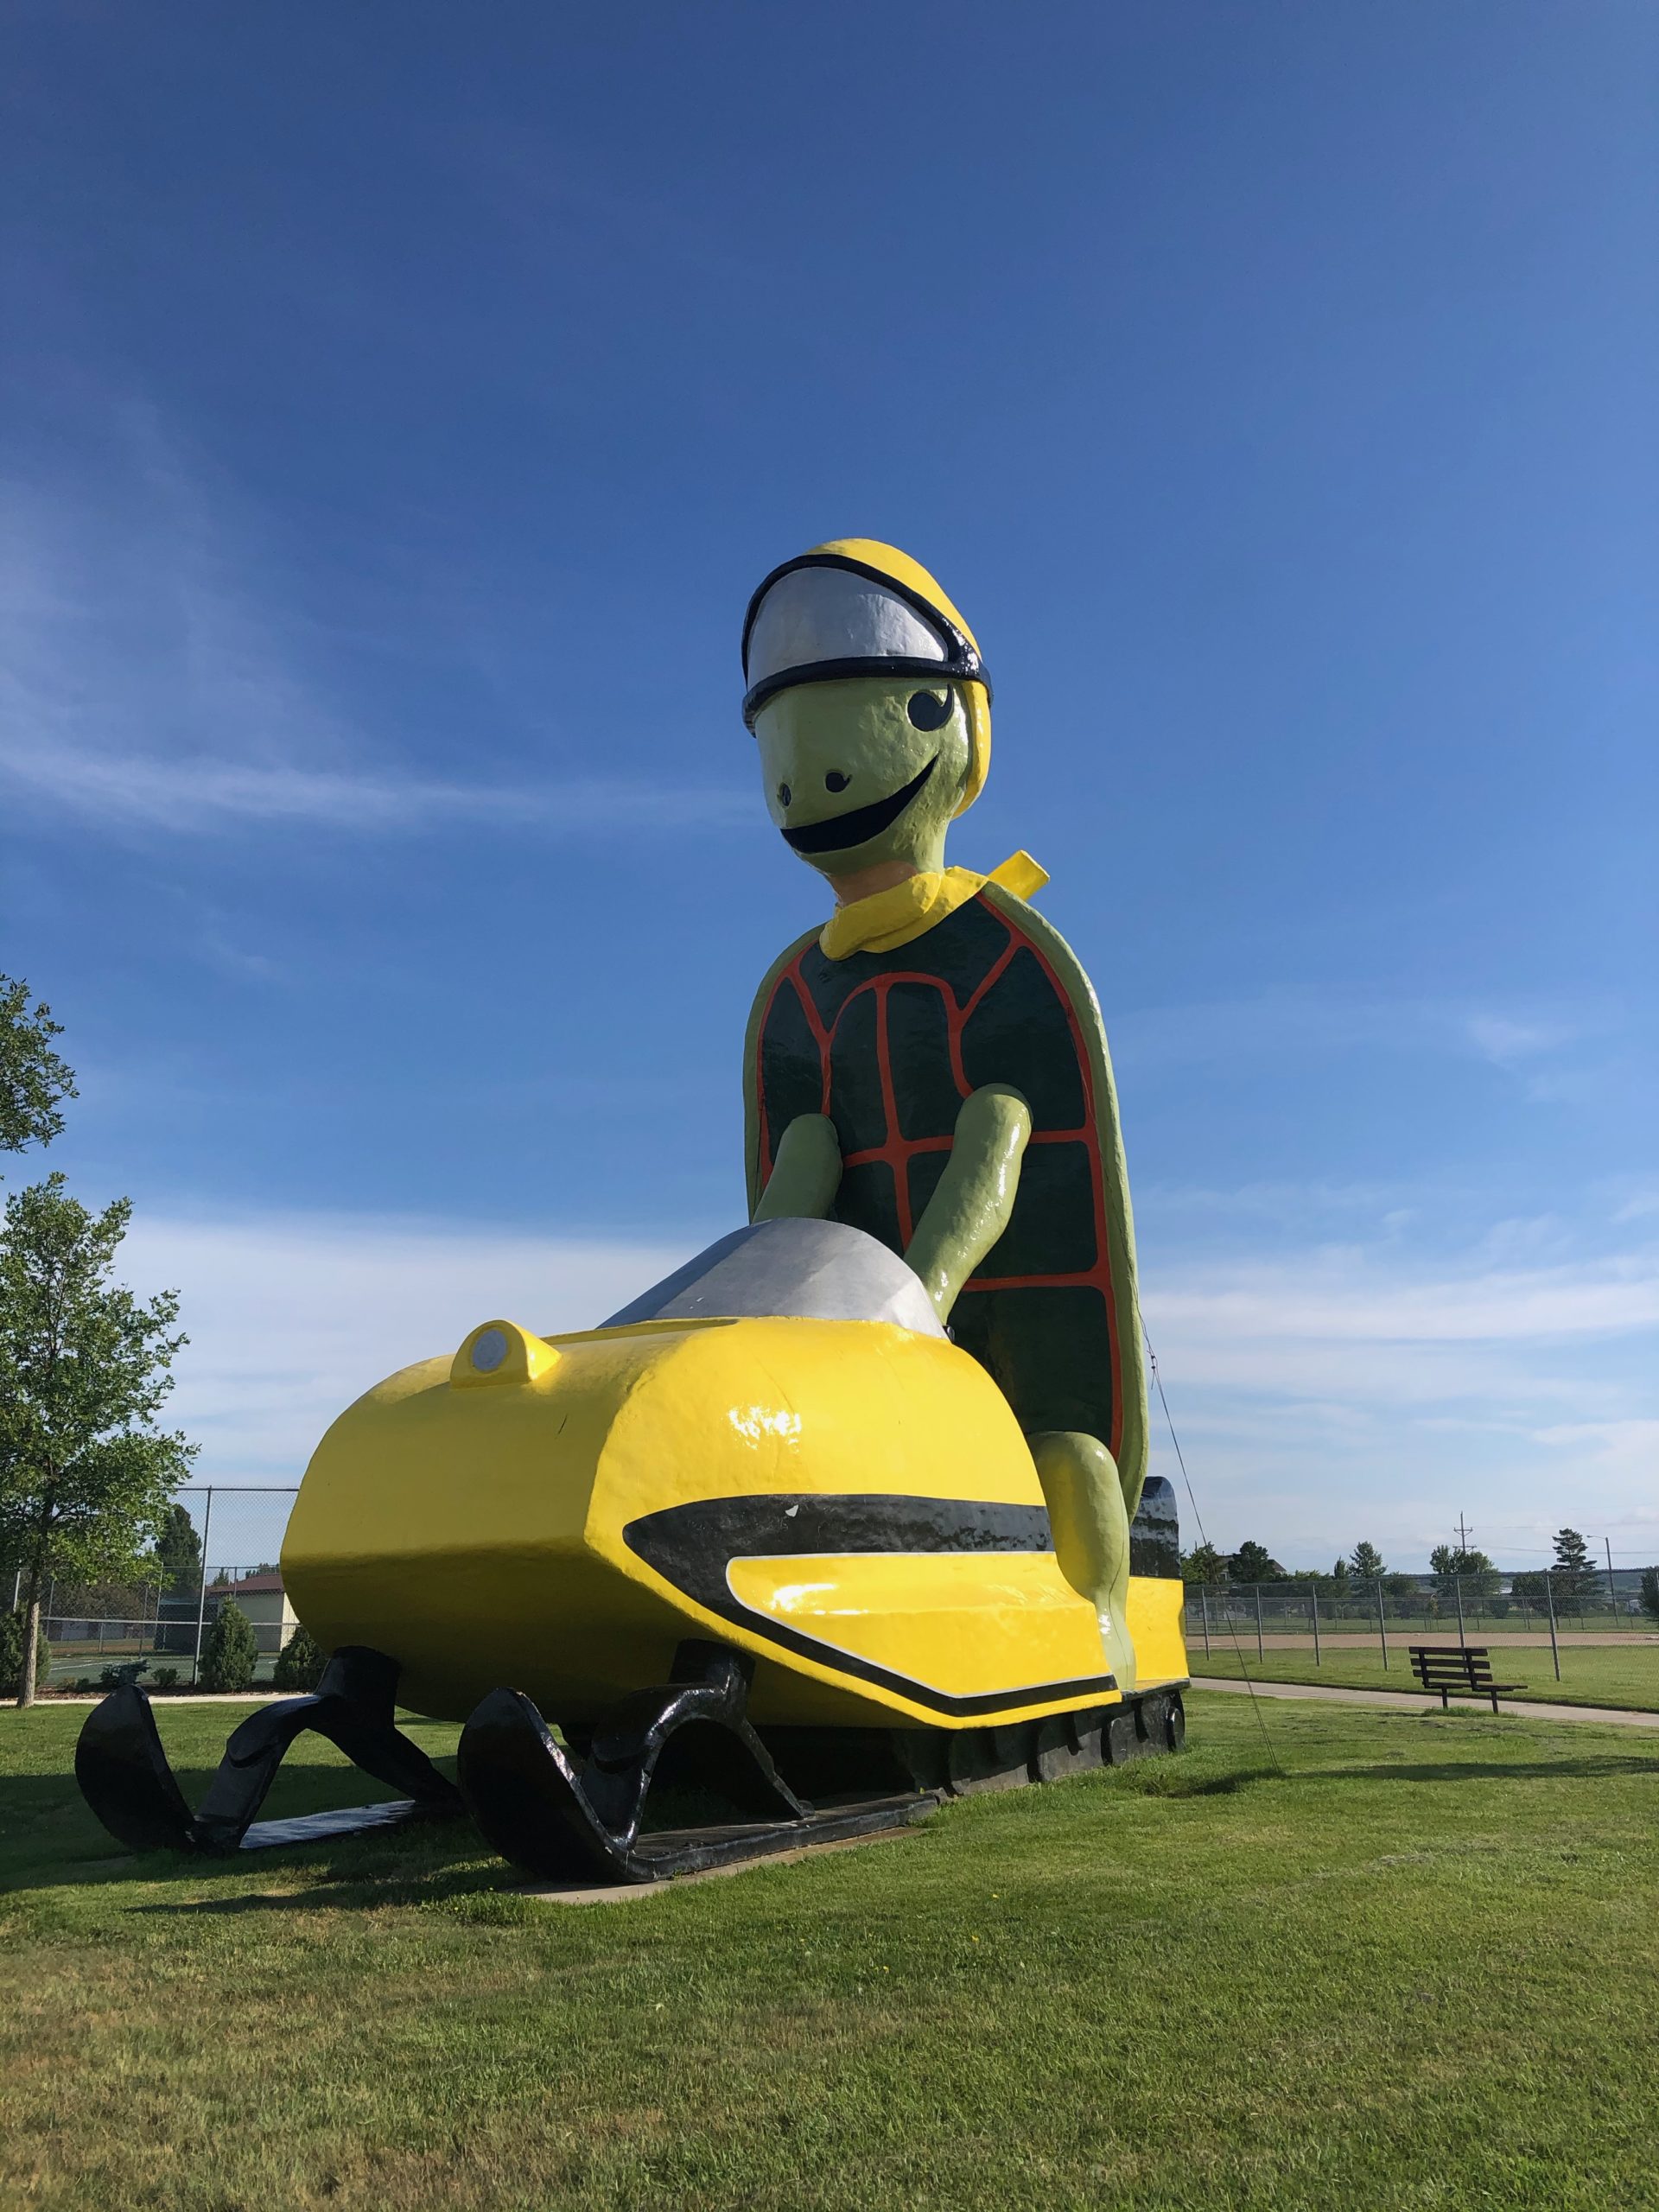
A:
(1613, 1716)
(161, 1700)
(1279, 1639)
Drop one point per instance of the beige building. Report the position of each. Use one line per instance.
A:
(265, 1601)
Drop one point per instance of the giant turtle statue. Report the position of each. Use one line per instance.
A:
(851, 1511)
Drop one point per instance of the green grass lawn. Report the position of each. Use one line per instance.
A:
(1416, 1969)
(1591, 1674)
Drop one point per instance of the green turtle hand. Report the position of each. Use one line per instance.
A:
(975, 1199)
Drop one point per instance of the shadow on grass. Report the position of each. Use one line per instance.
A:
(447, 1863)
(1606, 1767)
(49, 1837)
(1172, 1778)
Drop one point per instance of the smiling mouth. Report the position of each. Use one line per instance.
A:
(839, 833)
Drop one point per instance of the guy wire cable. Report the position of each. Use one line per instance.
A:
(1203, 1537)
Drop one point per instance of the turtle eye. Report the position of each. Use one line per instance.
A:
(929, 710)
(784, 794)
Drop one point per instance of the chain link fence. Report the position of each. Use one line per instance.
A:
(1350, 1615)
(236, 1537)
(235, 1541)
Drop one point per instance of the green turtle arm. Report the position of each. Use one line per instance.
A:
(975, 1199)
(806, 1175)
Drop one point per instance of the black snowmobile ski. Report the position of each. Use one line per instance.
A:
(124, 1776)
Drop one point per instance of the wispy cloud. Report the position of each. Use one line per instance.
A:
(203, 792)
(292, 1317)
(1313, 1025)
(1505, 1040)
(153, 679)
(1341, 1298)
(1362, 1390)
(1334, 1394)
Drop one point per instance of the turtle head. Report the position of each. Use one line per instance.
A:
(870, 708)
(865, 770)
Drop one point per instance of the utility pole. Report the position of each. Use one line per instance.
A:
(201, 1587)
(1464, 1533)
(1612, 1588)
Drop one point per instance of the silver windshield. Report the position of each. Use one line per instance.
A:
(804, 1270)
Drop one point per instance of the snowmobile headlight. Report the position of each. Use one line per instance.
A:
(501, 1351)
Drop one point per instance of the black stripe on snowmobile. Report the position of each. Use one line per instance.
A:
(692, 1546)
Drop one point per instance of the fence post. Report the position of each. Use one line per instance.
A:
(1554, 1648)
(1260, 1653)
(1457, 1585)
(201, 1591)
(1314, 1608)
(1204, 1608)
(1382, 1624)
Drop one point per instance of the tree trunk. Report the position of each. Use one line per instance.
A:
(31, 1638)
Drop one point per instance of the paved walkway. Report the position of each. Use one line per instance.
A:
(159, 1697)
(1402, 1637)
(1408, 1701)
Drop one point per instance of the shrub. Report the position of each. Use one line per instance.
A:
(230, 1651)
(11, 1655)
(299, 1663)
(165, 1678)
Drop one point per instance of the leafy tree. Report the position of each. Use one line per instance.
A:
(230, 1651)
(11, 1654)
(1366, 1563)
(1651, 1592)
(1403, 1593)
(1339, 1574)
(178, 1553)
(1203, 1563)
(1574, 1574)
(1454, 1565)
(1253, 1562)
(84, 1475)
(299, 1663)
(33, 1079)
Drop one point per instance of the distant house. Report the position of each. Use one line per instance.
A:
(265, 1601)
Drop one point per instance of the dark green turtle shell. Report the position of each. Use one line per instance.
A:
(888, 1044)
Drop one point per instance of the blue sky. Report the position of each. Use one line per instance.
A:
(402, 405)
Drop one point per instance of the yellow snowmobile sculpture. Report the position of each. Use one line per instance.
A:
(849, 1511)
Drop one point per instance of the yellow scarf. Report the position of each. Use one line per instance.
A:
(888, 919)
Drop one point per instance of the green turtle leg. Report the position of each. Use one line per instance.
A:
(806, 1174)
(970, 1208)
(1092, 1533)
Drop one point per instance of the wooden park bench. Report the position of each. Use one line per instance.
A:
(1463, 1666)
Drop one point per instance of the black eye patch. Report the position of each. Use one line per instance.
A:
(928, 710)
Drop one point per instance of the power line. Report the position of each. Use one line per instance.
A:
(1198, 1522)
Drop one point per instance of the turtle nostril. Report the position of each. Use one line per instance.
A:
(784, 794)
(834, 781)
